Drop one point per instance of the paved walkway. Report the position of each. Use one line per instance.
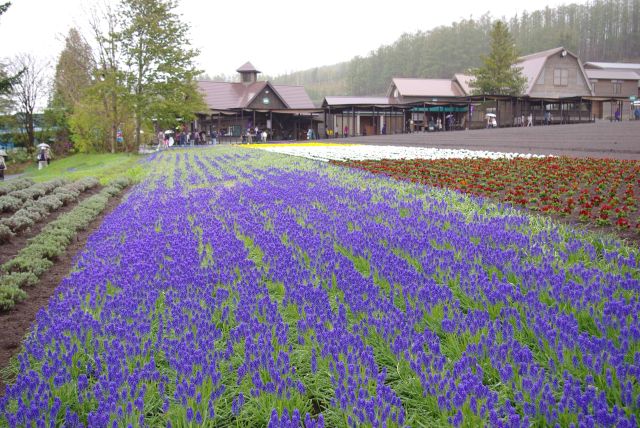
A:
(619, 140)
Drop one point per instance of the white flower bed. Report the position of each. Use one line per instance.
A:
(363, 152)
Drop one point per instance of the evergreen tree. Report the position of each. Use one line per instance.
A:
(498, 75)
(74, 72)
(160, 70)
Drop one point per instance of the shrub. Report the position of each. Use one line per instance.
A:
(22, 194)
(13, 185)
(10, 204)
(17, 223)
(66, 194)
(51, 202)
(19, 279)
(9, 295)
(5, 234)
(27, 263)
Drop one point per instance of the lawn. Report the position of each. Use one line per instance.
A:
(236, 287)
(105, 167)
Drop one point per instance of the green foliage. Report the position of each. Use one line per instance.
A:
(5, 233)
(605, 30)
(160, 69)
(92, 121)
(6, 82)
(498, 75)
(13, 185)
(9, 295)
(106, 167)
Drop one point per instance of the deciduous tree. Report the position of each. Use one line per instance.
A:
(159, 63)
(6, 81)
(29, 91)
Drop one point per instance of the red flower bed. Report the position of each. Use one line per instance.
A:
(600, 192)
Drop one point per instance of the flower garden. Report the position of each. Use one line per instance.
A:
(237, 287)
(600, 192)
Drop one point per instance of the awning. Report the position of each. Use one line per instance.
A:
(440, 109)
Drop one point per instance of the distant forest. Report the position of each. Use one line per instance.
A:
(600, 30)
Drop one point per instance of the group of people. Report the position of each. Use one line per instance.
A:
(255, 133)
(529, 120)
(184, 138)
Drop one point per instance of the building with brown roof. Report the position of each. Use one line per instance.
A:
(234, 108)
(616, 86)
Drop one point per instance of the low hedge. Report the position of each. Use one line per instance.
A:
(42, 251)
(13, 185)
(33, 211)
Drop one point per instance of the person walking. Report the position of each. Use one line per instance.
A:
(530, 120)
(42, 159)
(3, 166)
(48, 155)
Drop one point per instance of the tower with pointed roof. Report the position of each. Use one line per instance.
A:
(248, 73)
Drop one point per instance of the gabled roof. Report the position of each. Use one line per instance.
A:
(533, 64)
(295, 97)
(231, 95)
(410, 87)
(464, 80)
(612, 74)
(247, 67)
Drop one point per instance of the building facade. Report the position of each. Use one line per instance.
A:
(238, 111)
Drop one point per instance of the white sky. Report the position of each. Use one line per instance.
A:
(277, 36)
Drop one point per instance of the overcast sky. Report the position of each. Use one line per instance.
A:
(277, 36)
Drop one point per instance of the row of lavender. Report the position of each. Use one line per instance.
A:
(238, 287)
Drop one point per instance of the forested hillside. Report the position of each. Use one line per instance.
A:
(600, 30)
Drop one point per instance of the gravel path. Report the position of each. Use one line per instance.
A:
(599, 140)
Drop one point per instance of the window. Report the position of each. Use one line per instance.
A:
(560, 77)
(593, 84)
(617, 87)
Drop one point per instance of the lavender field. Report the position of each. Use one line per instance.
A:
(236, 287)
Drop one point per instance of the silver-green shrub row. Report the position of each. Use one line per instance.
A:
(36, 258)
(34, 210)
(13, 185)
(15, 199)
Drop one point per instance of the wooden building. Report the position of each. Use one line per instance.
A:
(557, 91)
(615, 86)
(285, 112)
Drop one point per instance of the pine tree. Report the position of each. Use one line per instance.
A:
(499, 75)
(74, 71)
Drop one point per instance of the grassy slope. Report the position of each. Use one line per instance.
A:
(105, 167)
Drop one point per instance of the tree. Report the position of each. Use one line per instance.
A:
(6, 81)
(28, 91)
(103, 107)
(499, 75)
(73, 76)
(159, 66)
